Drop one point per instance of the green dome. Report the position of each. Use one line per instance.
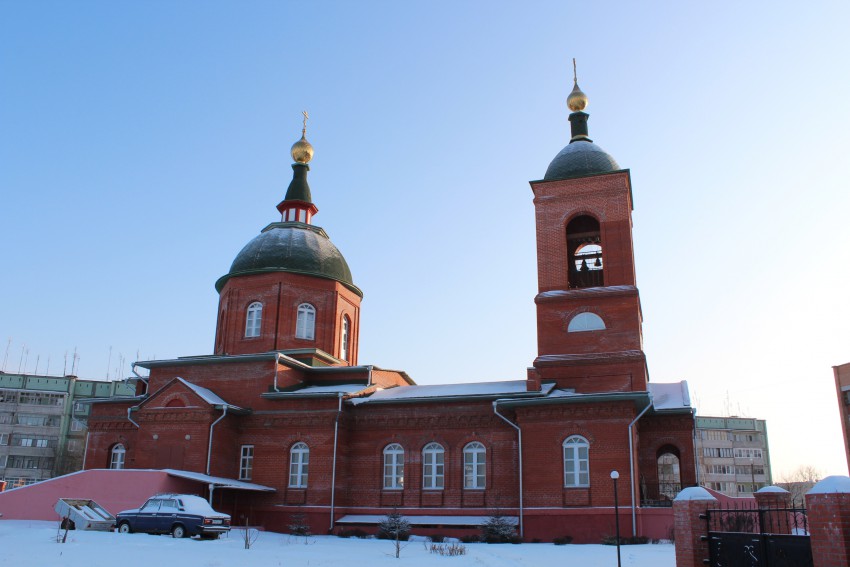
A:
(578, 159)
(292, 247)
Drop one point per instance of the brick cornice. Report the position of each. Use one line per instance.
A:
(579, 411)
(550, 360)
(557, 295)
(446, 421)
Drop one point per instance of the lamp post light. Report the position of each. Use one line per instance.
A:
(614, 476)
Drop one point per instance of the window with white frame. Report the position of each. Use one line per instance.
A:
(748, 453)
(3, 461)
(77, 425)
(305, 322)
(586, 322)
(299, 461)
(576, 462)
(117, 456)
(246, 462)
(394, 466)
(74, 446)
(346, 332)
(254, 320)
(4, 438)
(474, 465)
(433, 466)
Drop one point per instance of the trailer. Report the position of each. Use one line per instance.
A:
(82, 514)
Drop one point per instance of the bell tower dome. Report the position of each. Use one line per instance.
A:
(290, 289)
(589, 333)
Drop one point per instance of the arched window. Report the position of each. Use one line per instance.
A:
(117, 456)
(433, 466)
(254, 319)
(344, 341)
(394, 466)
(474, 465)
(299, 461)
(576, 462)
(584, 252)
(669, 479)
(305, 322)
(586, 322)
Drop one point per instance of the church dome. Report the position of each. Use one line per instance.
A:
(292, 247)
(580, 157)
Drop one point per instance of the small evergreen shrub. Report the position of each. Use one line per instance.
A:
(563, 540)
(394, 526)
(498, 529)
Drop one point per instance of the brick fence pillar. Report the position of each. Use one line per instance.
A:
(828, 503)
(776, 498)
(691, 550)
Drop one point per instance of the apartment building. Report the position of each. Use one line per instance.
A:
(43, 425)
(732, 454)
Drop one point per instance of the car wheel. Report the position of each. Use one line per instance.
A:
(178, 531)
(124, 528)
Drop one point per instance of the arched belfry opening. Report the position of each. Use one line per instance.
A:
(584, 253)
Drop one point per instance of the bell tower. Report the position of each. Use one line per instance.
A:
(589, 335)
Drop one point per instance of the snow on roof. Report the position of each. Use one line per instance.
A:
(776, 489)
(218, 481)
(835, 484)
(695, 493)
(207, 395)
(507, 388)
(670, 396)
(327, 389)
(425, 520)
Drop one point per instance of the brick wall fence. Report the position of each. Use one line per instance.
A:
(828, 504)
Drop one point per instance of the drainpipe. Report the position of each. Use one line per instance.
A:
(632, 464)
(276, 366)
(333, 470)
(696, 461)
(140, 377)
(86, 450)
(519, 435)
(130, 419)
(369, 381)
(209, 448)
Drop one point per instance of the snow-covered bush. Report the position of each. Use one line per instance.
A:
(498, 529)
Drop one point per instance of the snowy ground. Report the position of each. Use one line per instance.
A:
(31, 543)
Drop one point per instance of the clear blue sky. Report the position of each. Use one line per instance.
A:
(142, 144)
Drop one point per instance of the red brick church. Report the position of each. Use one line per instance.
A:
(283, 418)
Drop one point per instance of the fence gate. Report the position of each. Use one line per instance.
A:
(749, 537)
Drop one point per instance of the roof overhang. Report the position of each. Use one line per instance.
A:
(219, 482)
(640, 399)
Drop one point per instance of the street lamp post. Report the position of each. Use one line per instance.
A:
(614, 476)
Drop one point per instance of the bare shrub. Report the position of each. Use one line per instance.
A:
(448, 549)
